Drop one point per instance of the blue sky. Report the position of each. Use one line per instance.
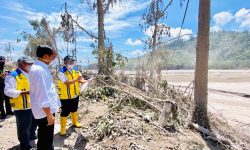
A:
(121, 23)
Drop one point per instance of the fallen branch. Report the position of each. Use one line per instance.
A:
(154, 107)
(188, 86)
(212, 136)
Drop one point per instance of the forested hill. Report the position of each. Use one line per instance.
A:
(228, 50)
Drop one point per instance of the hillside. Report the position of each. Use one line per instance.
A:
(228, 50)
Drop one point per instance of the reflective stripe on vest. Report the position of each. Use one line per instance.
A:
(68, 91)
(22, 84)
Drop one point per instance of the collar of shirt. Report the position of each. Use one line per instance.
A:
(26, 74)
(42, 64)
(70, 70)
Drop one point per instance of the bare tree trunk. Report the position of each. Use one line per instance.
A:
(154, 41)
(153, 51)
(109, 61)
(10, 52)
(201, 71)
(101, 36)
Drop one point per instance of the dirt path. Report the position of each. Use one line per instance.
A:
(91, 112)
(8, 135)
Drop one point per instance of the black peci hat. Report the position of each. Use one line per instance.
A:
(2, 59)
(69, 58)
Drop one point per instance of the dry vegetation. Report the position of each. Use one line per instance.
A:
(121, 116)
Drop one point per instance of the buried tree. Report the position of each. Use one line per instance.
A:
(201, 70)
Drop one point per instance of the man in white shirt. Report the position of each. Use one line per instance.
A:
(17, 88)
(44, 99)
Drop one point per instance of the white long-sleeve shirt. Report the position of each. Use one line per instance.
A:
(11, 85)
(42, 90)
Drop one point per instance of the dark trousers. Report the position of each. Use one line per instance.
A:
(7, 102)
(26, 128)
(45, 135)
(69, 106)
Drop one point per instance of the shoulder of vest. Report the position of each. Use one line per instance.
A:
(76, 69)
(63, 69)
(15, 73)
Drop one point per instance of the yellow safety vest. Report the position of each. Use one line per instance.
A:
(22, 84)
(71, 91)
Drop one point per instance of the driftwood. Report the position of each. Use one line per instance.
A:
(214, 137)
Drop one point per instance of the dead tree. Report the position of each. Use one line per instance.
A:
(153, 20)
(69, 31)
(102, 7)
(9, 49)
(109, 60)
(201, 70)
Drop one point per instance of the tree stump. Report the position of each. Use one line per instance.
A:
(165, 114)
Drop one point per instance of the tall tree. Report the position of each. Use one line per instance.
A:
(201, 70)
(101, 37)
(102, 7)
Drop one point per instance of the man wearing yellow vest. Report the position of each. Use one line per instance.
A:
(69, 91)
(17, 88)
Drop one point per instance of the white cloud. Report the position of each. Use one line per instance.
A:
(216, 28)
(23, 13)
(174, 32)
(133, 43)
(243, 18)
(116, 19)
(137, 53)
(223, 18)
(87, 40)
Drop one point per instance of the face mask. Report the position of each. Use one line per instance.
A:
(53, 62)
(27, 68)
(71, 66)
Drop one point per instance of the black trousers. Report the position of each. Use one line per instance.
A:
(7, 102)
(45, 135)
(69, 106)
(26, 128)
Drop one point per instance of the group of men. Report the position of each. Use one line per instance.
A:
(35, 99)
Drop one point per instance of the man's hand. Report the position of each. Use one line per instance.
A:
(74, 81)
(25, 92)
(79, 78)
(4, 74)
(50, 119)
(85, 81)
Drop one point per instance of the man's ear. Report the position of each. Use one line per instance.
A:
(46, 56)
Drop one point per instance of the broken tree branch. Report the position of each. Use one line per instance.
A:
(82, 28)
(213, 136)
